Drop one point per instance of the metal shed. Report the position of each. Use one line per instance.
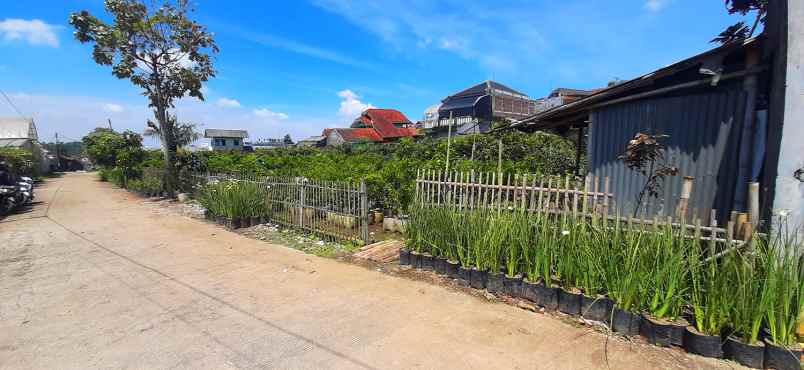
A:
(709, 107)
(703, 135)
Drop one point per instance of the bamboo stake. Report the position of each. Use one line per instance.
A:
(753, 204)
(472, 189)
(531, 206)
(684, 200)
(606, 196)
(584, 207)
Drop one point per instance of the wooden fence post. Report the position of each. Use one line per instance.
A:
(300, 182)
(363, 212)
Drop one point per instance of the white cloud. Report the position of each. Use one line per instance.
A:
(34, 31)
(74, 116)
(302, 48)
(113, 108)
(493, 37)
(228, 103)
(267, 113)
(655, 5)
(351, 106)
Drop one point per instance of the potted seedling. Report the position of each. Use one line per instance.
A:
(623, 275)
(571, 263)
(753, 296)
(512, 282)
(786, 286)
(543, 252)
(476, 228)
(413, 234)
(465, 264)
(711, 298)
(664, 286)
(595, 305)
(496, 237)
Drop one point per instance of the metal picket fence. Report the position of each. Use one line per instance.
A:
(332, 210)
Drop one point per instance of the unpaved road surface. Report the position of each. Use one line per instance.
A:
(93, 278)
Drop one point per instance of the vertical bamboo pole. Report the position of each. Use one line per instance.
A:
(493, 188)
(713, 226)
(684, 200)
(363, 212)
(438, 191)
(540, 204)
(472, 190)
(585, 205)
(606, 199)
(300, 181)
(499, 156)
(566, 192)
(506, 187)
(596, 184)
(531, 206)
(523, 193)
(753, 204)
(449, 140)
(418, 184)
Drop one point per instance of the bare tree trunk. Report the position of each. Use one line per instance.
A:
(169, 148)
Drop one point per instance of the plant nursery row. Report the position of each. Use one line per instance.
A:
(674, 286)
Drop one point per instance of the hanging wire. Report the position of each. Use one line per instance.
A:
(11, 103)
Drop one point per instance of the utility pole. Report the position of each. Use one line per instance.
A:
(110, 123)
(58, 156)
(449, 136)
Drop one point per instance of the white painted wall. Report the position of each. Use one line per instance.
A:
(790, 191)
(230, 143)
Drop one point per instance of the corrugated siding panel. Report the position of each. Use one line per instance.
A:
(704, 133)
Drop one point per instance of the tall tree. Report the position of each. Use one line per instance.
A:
(160, 50)
(287, 140)
(740, 30)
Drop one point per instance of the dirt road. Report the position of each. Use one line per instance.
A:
(93, 278)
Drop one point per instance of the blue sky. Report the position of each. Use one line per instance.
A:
(299, 66)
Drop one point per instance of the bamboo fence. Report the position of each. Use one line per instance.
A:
(585, 197)
(334, 210)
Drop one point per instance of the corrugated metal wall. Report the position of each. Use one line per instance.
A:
(704, 133)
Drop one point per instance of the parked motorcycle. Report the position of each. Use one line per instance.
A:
(9, 197)
(26, 188)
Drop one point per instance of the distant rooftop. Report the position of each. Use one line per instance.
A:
(214, 132)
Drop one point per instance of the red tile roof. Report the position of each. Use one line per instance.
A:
(385, 121)
(358, 134)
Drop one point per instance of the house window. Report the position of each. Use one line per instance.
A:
(235, 142)
(220, 142)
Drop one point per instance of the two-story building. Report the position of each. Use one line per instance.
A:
(473, 110)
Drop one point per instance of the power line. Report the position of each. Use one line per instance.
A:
(12, 104)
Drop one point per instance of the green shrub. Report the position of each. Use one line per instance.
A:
(21, 161)
(234, 199)
(390, 170)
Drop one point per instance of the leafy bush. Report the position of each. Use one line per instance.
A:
(390, 170)
(20, 161)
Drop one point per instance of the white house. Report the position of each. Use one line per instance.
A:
(221, 139)
(21, 133)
